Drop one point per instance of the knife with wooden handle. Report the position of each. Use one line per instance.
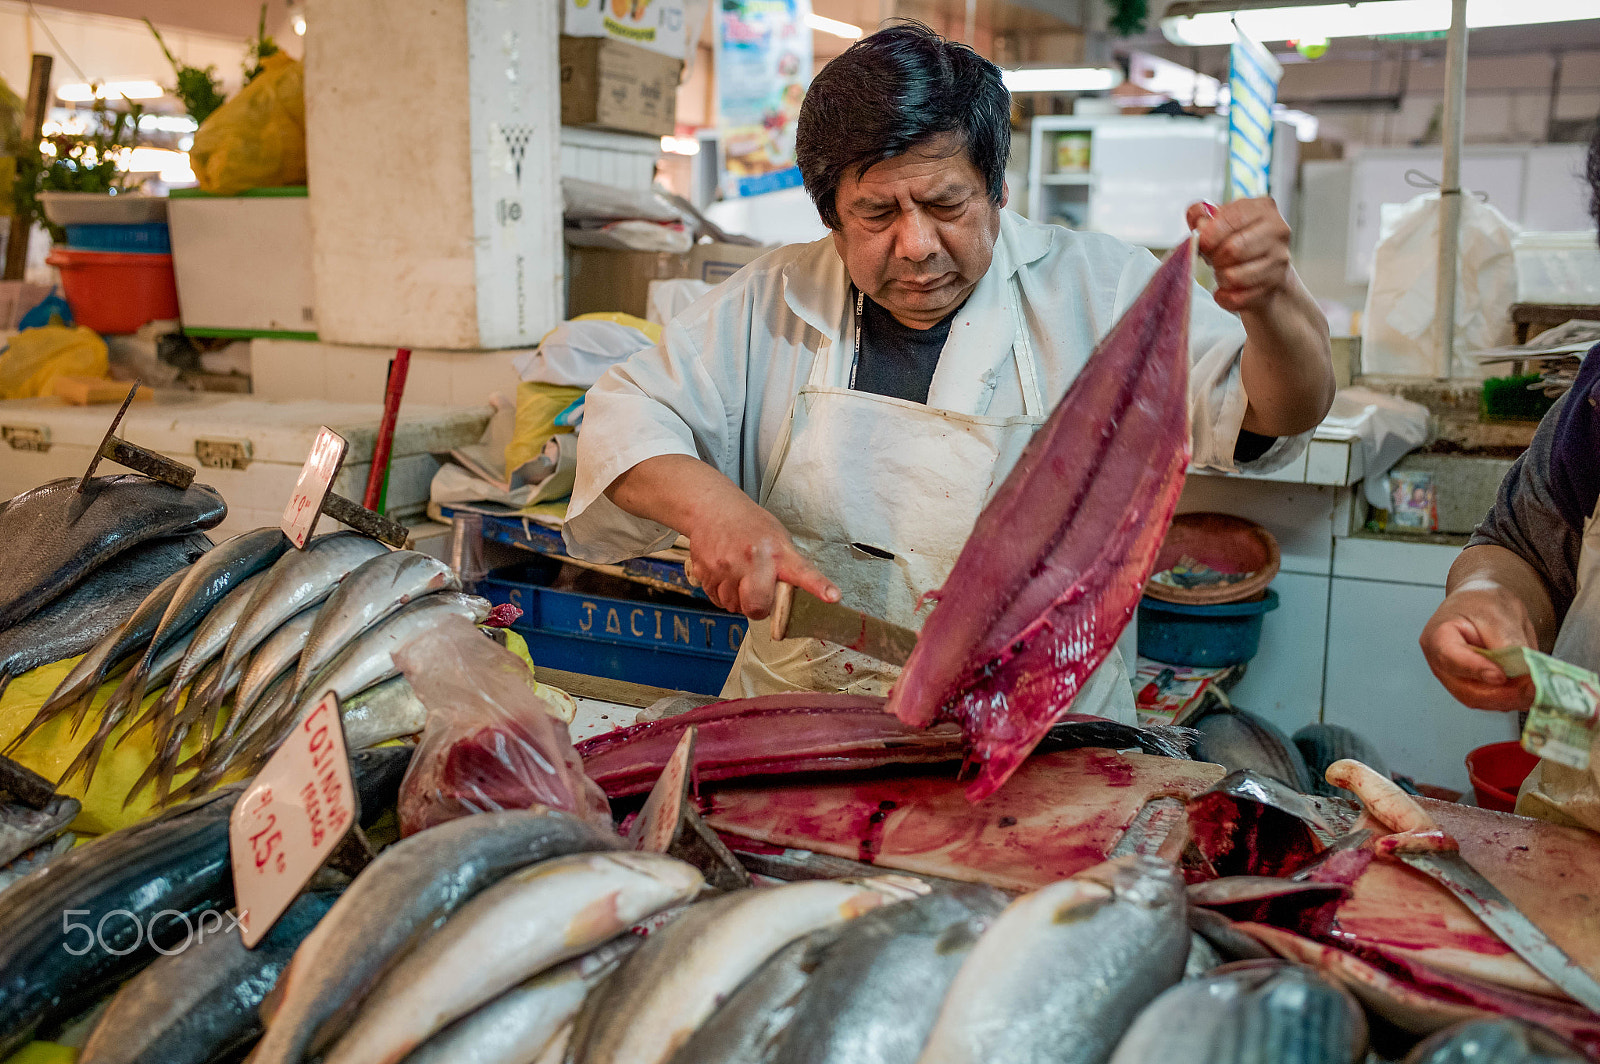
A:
(798, 614)
(1420, 842)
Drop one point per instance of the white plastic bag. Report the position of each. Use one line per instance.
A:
(577, 352)
(1386, 427)
(1399, 333)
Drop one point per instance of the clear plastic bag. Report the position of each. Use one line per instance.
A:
(491, 742)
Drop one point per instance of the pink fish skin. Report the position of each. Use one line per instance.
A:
(773, 735)
(1057, 560)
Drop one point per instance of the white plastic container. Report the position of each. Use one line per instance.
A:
(1561, 268)
(249, 449)
(432, 148)
(243, 263)
(293, 369)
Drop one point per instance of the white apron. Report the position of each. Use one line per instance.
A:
(881, 494)
(1556, 792)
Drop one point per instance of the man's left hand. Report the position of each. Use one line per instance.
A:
(1247, 244)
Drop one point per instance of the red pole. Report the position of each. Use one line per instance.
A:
(391, 411)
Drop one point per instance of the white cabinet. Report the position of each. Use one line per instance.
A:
(1284, 681)
(1378, 683)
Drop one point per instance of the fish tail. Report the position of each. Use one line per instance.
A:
(145, 778)
(157, 711)
(5, 680)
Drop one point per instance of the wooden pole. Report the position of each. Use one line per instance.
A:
(32, 125)
(1455, 99)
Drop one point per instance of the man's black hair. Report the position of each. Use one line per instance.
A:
(891, 92)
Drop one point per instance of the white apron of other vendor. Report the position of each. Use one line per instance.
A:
(1555, 792)
(880, 493)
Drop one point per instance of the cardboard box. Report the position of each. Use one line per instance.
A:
(605, 279)
(714, 263)
(659, 25)
(611, 85)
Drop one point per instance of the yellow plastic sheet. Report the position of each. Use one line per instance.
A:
(36, 357)
(258, 138)
(52, 748)
(43, 1053)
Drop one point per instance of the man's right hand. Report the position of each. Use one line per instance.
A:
(740, 556)
(737, 551)
(1479, 614)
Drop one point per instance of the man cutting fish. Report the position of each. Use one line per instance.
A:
(836, 414)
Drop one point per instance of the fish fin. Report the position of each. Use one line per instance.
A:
(153, 715)
(145, 778)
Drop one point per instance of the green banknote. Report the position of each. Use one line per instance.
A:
(1566, 705)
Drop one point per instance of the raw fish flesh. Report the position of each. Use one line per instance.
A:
(1055, 565)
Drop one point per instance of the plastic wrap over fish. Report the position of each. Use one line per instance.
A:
(1055, 565)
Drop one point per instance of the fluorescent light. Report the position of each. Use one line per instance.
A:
(1371, 19)
(168, 123)
(680, 145)
(299, 24)
(133, 90)
(834, 26)
(1305, 126)
(1062, 79)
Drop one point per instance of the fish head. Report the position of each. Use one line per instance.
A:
(1148, 882)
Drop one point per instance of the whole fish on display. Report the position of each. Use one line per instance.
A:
(875, 991)
(1056, 563)
(101, 604)
(52, 537)
(1063, 971)
(405, 895)
(371, 593)
(671, 984)
(748, 1026)
(517, 1026)
(120, 704)
(1495, 1040)
(1238, 740)
(1269, 1011)
(161, 873)
(201, 1003)
(278, 653)
(120, 647)
(205, 585)
(297, 581)
(529, 921)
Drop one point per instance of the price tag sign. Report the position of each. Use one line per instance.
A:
(290, 818)
(311, 490)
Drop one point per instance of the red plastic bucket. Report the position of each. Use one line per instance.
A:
(1496, 771)
(114, 291)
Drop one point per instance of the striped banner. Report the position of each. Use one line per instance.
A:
(1252, 90)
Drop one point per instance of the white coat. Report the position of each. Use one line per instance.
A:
(722, 385)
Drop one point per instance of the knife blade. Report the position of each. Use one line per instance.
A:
(797, 614)
(1420, 843)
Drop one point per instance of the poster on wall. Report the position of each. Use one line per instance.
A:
(1252, 90)
(763, 68)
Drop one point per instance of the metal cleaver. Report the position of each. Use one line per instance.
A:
(798, 614)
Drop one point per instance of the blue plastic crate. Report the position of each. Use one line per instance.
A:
(151, 237)
(646, 641)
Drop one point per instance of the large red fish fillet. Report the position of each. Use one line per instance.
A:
(772, 735)
(1057, 560)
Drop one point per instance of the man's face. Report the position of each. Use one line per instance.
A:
(917, 231)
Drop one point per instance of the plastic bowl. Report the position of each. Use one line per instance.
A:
(116, 292)
(1208, 636)
(1497, 771)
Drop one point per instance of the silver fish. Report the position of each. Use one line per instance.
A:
(875, 991)
(375, 590)
(1495, 1040)
(1253, 1010)
(397, 900)
(296, 581)
(1064, 970)
(658, 998)
(1236, 739)
(747, 1028)
(529, 921)
(207, 583)
(162, 669)
(382, 712)
(517, 1026)
(279, 652)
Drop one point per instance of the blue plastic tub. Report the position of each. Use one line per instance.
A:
(151, 238)
(1209, 636)
(650, 639)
